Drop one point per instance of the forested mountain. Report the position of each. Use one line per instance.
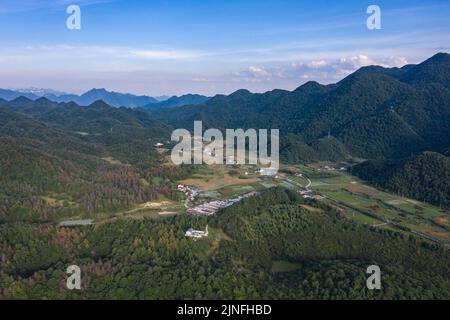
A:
(188, 99)
(425, 177)
(267, 247)
(435, 70)
(64, 160)
(96, 118)
(293, 150)
(374, 113)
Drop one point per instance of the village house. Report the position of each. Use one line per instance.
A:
(211, 208)
(190, 193)
(196, 234)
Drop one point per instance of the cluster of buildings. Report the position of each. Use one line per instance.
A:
(207, 209)
(196, 234)
(190, 192)
(211, 208)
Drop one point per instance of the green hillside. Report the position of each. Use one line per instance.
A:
(425, 177)
(49, 172)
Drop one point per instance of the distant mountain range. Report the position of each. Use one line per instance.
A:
(8, 95)
(40, 92)
(112, 98)
(375, 112)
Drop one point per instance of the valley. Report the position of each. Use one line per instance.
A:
(363, 180)
(355, 199)
(328, 183)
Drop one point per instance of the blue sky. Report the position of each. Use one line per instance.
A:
(209, 46)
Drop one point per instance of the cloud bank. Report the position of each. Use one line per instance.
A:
(323, 71)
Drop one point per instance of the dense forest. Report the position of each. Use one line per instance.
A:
(425, 177)
(293, 150)
(78, 161)
(267, 247)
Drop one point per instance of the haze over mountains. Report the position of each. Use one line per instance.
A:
(112, 98)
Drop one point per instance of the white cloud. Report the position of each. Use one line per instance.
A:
(317, 64)
(396, 61)
(324, 71)
(357, 61)
(252, 74)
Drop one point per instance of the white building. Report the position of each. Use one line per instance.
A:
(196, 234)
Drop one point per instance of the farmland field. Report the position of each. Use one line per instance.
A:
(412, 214)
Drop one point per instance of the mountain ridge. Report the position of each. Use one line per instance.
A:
(381, 113)
(177, 101)
(112, 98)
